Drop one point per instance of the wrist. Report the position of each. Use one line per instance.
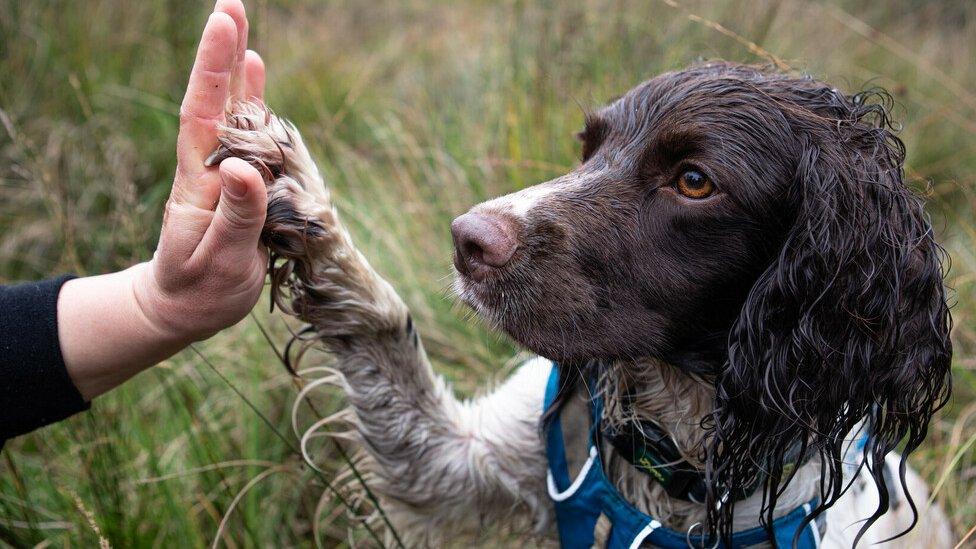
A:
(161, 312)
(107, 335)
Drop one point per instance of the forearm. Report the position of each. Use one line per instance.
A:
(106, 336)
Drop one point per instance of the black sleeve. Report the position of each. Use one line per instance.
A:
(35, 388)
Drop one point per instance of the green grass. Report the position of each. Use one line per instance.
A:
(416, 111)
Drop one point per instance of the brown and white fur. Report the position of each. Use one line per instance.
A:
(448, 469)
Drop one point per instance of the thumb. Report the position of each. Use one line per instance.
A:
(242, 207)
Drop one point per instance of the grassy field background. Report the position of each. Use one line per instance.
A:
(416, 110)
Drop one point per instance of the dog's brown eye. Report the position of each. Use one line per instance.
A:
(695, 184)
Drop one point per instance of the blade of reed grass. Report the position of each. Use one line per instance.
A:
(284, 439)
(952, 465)
(342, 451)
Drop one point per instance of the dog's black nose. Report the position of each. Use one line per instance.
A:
(482, 242)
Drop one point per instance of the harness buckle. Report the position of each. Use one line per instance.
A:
(688, 538)
(721, 501)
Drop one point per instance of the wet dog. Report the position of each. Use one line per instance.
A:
(736, 261)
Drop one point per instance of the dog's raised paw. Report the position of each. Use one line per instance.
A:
(299, 208)
(271, 144)
(326, 280)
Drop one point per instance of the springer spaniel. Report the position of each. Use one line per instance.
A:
(736, 272)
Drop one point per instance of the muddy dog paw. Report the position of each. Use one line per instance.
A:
(327, 281)
(299, 206)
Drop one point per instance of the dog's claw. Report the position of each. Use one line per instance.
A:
(217, 156)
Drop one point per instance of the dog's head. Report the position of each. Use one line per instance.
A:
(747, 226)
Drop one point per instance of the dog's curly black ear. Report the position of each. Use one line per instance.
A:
(849, 323)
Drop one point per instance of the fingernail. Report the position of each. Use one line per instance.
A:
(235, 187)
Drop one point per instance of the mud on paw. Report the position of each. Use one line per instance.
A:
(299, 208)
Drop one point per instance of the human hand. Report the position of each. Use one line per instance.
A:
(209, 268)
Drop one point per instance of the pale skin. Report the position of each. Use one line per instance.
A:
(209, 267)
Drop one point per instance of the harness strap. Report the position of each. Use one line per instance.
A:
(644, 533)
(554, 492)
(580, 502)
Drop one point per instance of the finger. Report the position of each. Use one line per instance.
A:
(253, 75)
(235, 9)
(240, 213)
(206, 94)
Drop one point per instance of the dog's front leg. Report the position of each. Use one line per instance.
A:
(441, 466)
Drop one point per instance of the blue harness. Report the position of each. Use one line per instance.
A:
(580, 502)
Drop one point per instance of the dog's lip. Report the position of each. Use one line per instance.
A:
(467, 285)
(476, 293)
